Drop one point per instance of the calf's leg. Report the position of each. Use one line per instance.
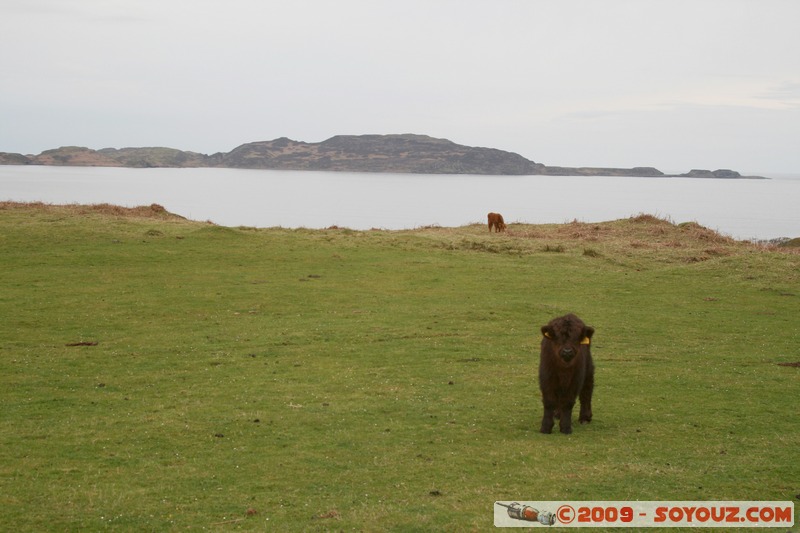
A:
(565, 422)
(547, 419)
(586, 398)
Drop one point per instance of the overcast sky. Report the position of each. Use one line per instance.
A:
(675, 84)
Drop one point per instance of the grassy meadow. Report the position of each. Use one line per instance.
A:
(159, 374)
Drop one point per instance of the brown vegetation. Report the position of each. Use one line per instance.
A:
(620, 241)
(149, 211)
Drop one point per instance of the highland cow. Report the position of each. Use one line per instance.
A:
(566, 372)
(496, 221)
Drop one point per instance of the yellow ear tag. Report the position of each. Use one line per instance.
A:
(586, 340)
(546, 334)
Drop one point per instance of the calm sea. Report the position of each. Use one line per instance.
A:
(744, 209)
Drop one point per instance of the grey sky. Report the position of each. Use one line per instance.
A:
(676, 84)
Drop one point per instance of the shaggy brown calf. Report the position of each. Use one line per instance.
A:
(496, 221)
(566, 372)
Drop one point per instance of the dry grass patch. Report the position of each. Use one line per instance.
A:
(663, 240)
(149, 211)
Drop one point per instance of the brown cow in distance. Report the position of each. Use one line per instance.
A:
(566, 372)
(496, 221)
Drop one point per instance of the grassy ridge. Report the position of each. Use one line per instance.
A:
(233, 378)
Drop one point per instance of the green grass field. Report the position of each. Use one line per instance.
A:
(159, 374)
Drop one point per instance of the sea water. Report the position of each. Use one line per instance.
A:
(743, 209)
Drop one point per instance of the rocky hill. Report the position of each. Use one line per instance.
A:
(407, 153)
(378, 153)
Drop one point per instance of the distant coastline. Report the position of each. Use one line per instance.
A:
(406, 153)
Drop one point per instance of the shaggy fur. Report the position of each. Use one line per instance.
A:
(566, 372)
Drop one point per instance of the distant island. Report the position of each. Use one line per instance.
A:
(407, 153)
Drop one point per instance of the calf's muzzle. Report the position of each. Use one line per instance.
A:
(567, 353)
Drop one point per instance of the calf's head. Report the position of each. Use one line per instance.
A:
(566, 335)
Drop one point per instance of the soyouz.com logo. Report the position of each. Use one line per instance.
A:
(644, 514)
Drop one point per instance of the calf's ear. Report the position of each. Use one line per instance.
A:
(588, 331)
(547, 331)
